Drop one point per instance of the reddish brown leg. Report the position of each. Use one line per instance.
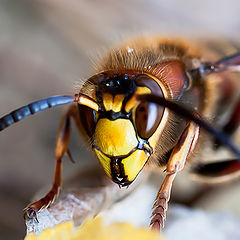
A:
(60, 150)
(181, 152)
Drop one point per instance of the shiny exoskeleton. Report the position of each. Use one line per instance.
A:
(147, 102)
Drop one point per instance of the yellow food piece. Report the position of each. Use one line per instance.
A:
(97, 230)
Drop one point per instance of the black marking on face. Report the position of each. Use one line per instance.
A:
(117, 168)
(111, 115)
(116, 84)
(118, 173)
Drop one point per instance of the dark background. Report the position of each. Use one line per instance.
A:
(46, 46)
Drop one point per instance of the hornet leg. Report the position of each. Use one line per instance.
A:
(176, 163)
(60, 150)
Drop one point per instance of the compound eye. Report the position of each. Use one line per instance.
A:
(147, 118)
(148, 115)
(87, 119)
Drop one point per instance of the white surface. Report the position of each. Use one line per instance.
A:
(182, 223)
(188, 224)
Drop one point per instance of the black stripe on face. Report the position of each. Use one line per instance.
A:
(115, 85)
(117, 168)
(118, 173)
(111, 115)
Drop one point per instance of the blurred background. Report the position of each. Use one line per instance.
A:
(46, 46)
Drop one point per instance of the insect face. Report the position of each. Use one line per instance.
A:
(145, 102)
(122, 132)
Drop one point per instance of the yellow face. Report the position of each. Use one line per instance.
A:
(123, 127)
(116, 146)
(116, 143)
